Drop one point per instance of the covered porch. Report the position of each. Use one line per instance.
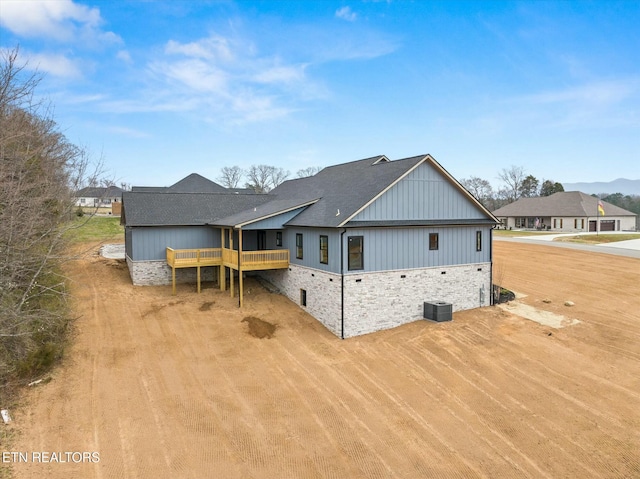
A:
(227, 256)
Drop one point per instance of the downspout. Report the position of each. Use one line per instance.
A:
(491, 266)
(344, 230)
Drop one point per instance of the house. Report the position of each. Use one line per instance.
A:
(100, 197)
(567, 211)
(360, 246)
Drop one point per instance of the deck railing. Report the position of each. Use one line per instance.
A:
(251, 260)
(194, 257)
(266, 259)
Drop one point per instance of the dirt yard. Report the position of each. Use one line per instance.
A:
(189, 386)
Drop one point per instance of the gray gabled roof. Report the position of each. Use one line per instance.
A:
(184, 209)
(193, 183)
(99, 192)
(334, 194)
(329, 199)
(562, 204)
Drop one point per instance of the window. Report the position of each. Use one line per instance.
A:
(82, 200)
(324, 249)
(299, 245)
(278, 238)
(355, 252)
(303, 297)
(433, 241)
(478, 240)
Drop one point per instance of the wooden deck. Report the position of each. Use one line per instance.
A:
(249, 260)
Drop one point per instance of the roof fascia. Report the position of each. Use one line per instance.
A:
(271, 215)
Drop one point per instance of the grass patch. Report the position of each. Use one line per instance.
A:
(597, 239)
(511, 233)
(96, 228)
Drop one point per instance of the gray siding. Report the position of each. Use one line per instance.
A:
(150, 243)
(128, 236)
(276, 222)
(311, 244)
(423, 194)
(387, 249)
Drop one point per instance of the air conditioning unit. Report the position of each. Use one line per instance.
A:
(438, 311)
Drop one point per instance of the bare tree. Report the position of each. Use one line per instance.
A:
(512, 179)
(263, 178)
(277, 176)
(259, 178)
(39, 171)
(230, 176)
(479, 188)
(309, 171)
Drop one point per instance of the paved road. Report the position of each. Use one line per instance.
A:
(630, 248)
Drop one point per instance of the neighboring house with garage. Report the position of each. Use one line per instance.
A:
(360, 246)
(103, 199)
(567, 211)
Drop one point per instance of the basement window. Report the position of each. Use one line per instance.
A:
(303, 297)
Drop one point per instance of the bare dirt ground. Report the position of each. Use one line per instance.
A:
(165, 386)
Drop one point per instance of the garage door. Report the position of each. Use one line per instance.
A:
(607, 225)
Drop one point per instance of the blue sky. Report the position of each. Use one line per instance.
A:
(160, 89)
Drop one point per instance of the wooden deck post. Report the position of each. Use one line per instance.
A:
(173, 280)
(198, 269)
(240, 285)
(222, 271)
(231, 269)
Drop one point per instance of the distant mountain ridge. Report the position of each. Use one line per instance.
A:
(621, 185)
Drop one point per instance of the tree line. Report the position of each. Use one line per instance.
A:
(516, 183)
(260, 178)
(39, 171)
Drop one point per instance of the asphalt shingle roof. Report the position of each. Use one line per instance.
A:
(331, 197)
(184, 209)
(342, 189)
(567, 203)
(99, 192)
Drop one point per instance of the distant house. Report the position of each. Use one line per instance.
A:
(568, 211)
(360, 246)
(98, 197)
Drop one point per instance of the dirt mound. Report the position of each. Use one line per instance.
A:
(206, 306)
(259, 328)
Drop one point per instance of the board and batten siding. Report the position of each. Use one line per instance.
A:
(423, 194)
(150, 243)
(274, 223)
(386, 249)
(311, 247)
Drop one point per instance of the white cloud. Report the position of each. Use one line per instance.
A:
(128, 132)
(345, 13)
(281, 74)
(214, 47)
(125, 56)
(55, 65)
(62, 20)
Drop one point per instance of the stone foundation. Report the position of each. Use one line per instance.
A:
(322, 291)
(158, 273)
(383, 300)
